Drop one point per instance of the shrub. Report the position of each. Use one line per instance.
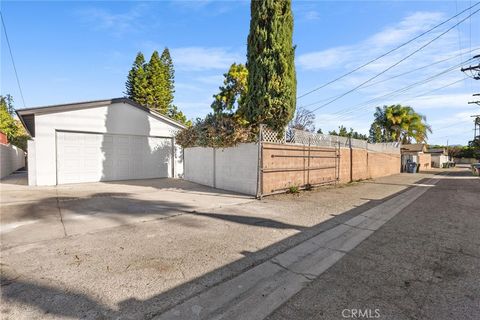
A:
(293, 189)
(216, 131)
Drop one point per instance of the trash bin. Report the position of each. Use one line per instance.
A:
(476, 169)
(411, 167)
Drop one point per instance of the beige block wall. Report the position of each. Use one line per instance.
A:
(284, 166)
(383, 164)
(425, 160)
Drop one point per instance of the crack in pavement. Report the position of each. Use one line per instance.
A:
(60, 214)
(308, 276)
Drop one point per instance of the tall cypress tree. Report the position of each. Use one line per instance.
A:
(272, 83)
(136, 85)
(152, 84)
(169, 71)
(157, 84)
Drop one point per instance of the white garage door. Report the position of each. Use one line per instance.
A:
(90, 157)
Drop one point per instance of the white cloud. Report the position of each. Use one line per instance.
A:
(204, 58)
(216, 80)
(195, 108)
(441, 101)
(312, 15)
(324, 59)
(117, 23)
(409, 27)
(378, 43)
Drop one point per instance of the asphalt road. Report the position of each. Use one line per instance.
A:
(422, 264)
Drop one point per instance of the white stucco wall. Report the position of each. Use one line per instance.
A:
(118, 118)
(236, 168)
(11, 159)
(31, 165)
(199, 165)
(233, 169)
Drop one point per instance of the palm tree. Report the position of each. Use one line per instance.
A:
(399, 123)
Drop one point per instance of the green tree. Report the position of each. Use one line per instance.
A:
(157, 84)
(271, 97)
(399, 123)
(216, 131)
(169, 89)
(178, 115)
(231, 97)
(169, 75)
(152, 84)
(7, 122)
(137, 84)
(10, 126)
(343, 132)
(375, 133)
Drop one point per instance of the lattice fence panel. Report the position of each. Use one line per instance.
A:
(272, 136)
(300, 137)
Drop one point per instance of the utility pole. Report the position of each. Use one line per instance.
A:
(473, 71)
(476, 130)
(475, 101)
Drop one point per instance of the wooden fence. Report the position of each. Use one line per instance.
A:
(303, 160)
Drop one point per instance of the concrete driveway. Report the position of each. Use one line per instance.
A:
(141, 270)
(31, 214)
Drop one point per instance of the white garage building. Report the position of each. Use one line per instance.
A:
(106, 140)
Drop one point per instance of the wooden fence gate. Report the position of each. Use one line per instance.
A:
(295, 161)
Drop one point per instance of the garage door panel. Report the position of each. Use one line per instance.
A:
(85, 157)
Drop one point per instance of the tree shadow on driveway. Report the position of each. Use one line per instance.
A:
(78, 305)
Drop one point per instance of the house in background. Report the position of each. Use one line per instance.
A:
(439, 157)
(415, 153)
(12, 158)
(105, 140)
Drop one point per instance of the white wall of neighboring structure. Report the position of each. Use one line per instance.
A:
(11, 159)
(438, 160)
(199, 165)
(233, 169)
(31, 166)
(237, 168)
(117, 118)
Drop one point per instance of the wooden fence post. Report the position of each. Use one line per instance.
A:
(351, 158)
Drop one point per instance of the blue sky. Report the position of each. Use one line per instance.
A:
(77, 51)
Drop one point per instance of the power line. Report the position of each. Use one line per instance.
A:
(397, 92)
(13, 61)
(395, 76)
(365, 107)
(453, 135)
(387, 53)
(436, 89)
(395, 64)
(449, 126)
(458, 30)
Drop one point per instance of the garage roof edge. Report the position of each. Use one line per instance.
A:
(90, 104)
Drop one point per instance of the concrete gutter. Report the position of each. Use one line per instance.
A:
(260, 290)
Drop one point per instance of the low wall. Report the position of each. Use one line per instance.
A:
(285, 166)
(234, 169)
(383, 164)
(11, 159)
(425, 161)
(466, 160)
